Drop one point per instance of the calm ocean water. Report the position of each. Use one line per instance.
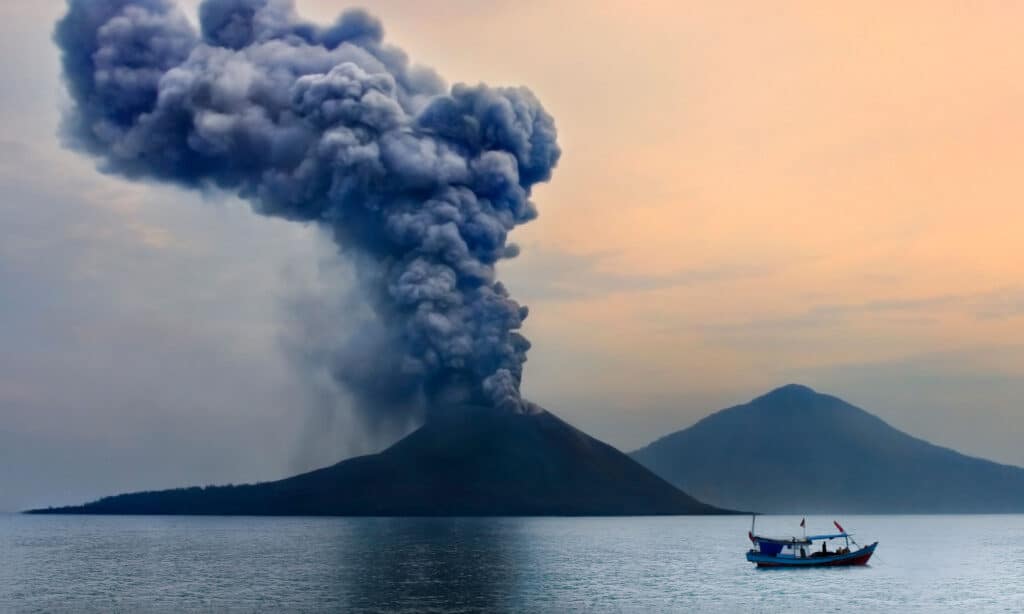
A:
(173, 564)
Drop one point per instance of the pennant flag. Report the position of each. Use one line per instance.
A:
(803, 522)
(839, 526)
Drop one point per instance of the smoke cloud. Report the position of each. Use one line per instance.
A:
(417, 183)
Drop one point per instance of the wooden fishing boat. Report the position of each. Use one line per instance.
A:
(803, 551)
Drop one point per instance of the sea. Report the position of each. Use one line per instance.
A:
(625, 564)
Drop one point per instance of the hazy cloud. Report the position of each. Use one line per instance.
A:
(550, 274)
(1000, 303)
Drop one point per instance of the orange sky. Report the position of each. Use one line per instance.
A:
(794, 185)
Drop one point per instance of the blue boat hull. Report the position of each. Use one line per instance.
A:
(857, 557)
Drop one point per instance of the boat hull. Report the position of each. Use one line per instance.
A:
(857, 557)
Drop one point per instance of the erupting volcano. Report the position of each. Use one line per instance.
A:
(417, 183)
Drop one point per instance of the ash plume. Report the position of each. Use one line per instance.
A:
(416, 182)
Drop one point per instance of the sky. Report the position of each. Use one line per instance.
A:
(750, 194)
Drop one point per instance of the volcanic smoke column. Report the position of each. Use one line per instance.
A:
(417, 183)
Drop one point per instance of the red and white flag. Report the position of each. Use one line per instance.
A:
(839, 526)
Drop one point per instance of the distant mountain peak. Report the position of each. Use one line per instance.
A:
(843, 458)
(790, 390)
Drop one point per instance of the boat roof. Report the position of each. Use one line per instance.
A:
(783, 540)
(800, 540)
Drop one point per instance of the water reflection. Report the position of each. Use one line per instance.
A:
(671, 564)
(427, 564)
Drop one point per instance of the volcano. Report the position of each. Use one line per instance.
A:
(795, 450)
(473, 461)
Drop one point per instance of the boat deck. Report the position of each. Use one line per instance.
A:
(857, 557)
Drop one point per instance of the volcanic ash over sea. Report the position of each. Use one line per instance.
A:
(417, 183)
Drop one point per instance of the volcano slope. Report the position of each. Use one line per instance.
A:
(471, 462)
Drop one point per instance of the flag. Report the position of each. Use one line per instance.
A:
(803, 522)
(839, 526)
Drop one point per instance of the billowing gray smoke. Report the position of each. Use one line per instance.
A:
(417, 183)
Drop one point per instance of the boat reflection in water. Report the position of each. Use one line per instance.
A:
(803, 551)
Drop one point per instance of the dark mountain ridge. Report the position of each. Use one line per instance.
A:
(795, 450)
(470, 462)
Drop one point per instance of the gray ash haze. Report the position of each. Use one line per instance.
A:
(418, 183)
